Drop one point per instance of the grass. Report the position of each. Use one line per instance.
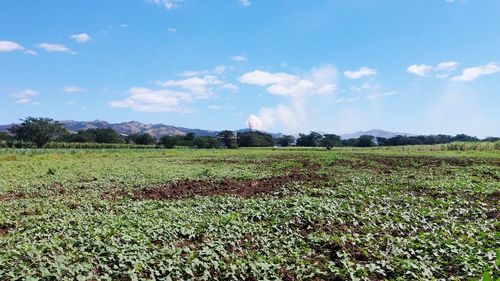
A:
(356, 214)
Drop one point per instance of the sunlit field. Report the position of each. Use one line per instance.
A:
(291, 214)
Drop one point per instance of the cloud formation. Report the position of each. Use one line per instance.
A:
(54, 48)
(24, 96)
(11, 46)
(423, 70)
(167, 4)
(176, 95)
(472, 73)
(293, 115)
(80, 38)
(361, 72)
(245, 3)
(239, 58)
(74, 89)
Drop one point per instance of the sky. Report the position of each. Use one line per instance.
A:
(336, 66)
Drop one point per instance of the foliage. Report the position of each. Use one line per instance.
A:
(286, 140)
(96, 135)
(37, 130)
(379, 214)
(228, 139)
(254, 139)
(365, 141)
(330, 140)
(189, 140)
(312, 139)
(141, 138)
(5, 137)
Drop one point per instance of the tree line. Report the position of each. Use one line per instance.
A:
(41, 131)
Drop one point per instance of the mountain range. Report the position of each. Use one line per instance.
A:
(158, 130)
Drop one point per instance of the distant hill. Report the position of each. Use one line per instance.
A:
(374, 132)
(129, 128)
(159, 130)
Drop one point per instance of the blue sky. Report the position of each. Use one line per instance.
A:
(291, 66)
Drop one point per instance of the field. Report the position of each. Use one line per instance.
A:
(254, 214)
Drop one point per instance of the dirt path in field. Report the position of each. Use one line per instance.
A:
(235, 187)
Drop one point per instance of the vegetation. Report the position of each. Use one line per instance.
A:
(254, 139)
(228, 139)
(37, 130)
(189, 140)
(296, 214)
(286, 140)
(141, 138)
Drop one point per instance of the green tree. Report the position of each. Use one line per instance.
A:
(365, 141)
(142, 138)
(330, 140)
(312, 139)
(206, 142)
(37, 130)
(5, 137)
(227, 138)
(254, 139)
(169, 141)
(286, 140)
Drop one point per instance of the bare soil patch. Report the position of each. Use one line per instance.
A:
(5, 228)
(235, 187)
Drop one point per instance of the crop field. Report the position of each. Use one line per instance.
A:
(249, 214)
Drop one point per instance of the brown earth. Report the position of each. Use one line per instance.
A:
(235, 187)
(5, 228)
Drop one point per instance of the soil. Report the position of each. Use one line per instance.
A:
(5, 228)
(235, 187)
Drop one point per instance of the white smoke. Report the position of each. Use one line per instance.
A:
(292, 116)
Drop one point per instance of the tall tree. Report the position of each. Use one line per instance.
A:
(255, 139)
(227, 138)
(330, 140)
(286, 140)
(365, 141)
(37, 130)
(142, 138)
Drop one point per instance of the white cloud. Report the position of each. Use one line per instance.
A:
(293, 116)
(361, 72)
(217, 70)
(420, 69)
(284, 84)
(23, 100)
(472, 73)
(80, 38)
(203, 86)
(54, 48)
(148, 100)
(11, 46)
(24, 96)
(215, 107)
(176, 97)
(423, 70)
(447, 66)
(245, 3)
(171, 29)
(239, 58)
(123, 25)
(167, 4)
(376, 96)
(74, 89)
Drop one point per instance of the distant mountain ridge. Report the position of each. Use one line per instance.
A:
(374, 132)
(158, 130)
(128, 128)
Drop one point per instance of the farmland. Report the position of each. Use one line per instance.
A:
(277, 214)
